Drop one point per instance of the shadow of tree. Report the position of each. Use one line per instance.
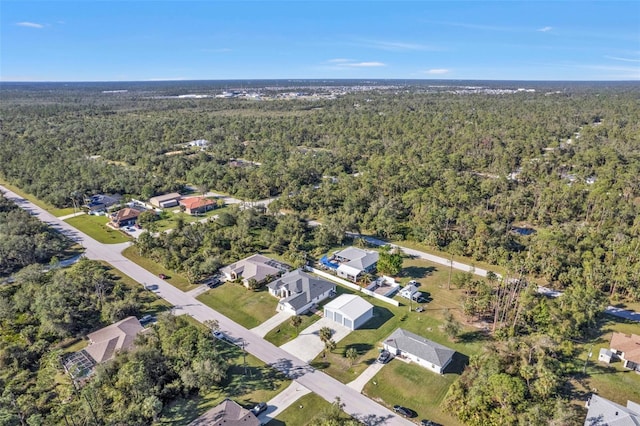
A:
(474, 336)
(372, 419)
(419, 271)
(361, 348)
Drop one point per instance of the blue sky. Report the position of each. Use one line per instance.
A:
(169, 40)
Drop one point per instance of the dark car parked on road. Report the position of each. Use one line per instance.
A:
(259, 408)
(404, 411)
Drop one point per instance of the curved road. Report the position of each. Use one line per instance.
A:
(356, 404)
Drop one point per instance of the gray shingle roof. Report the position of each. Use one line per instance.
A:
(303, 287)
(418, 346)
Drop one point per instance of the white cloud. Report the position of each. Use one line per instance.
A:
(339, 61)
(396, 45)
(545, 29)
(617, 58)
(30, 25)
(437, 71)
(365, 64)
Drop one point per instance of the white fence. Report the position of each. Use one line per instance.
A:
(354, 286)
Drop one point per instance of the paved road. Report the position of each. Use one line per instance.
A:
(325, 386)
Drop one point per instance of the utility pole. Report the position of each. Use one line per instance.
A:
(584, 370)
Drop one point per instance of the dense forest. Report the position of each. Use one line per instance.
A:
(544, 183)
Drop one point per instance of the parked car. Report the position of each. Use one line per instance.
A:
(384, 356)
(259, 408)
(429, 423)
(214, 283)
(146, 319)
(162, 276)
(419, 309)
(403, 411)
(414, 283)
(219, 335)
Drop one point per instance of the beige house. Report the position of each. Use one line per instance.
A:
(106, 342)
(227, 413)
(627, 348)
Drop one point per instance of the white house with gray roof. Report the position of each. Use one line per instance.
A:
(257, 267)
(349, 310)
(426, 353)
(355, 261)
(604, 412)
(299, 291)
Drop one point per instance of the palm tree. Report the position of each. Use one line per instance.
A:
(296, 320)
(351, 355)
(325, 334)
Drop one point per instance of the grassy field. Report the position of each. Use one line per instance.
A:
(261, 383)
(312, 408)
(412, 386)
(246, 307)
(96, 228)
(175, 279)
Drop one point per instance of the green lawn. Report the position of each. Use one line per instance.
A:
(174, 278)
(312, 408)
(261, 383)
(414, 387)
(246, 307)
(96, 228)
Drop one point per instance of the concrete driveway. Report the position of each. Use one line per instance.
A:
(271, 323)
(308, 345)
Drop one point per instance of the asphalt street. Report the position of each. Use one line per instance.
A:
(356, 404)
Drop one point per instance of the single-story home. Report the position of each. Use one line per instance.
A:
(603, 412)
(197, 205)
(606, 355)
(99, 203)
(257, 267)
(627, 348)
(299, 291)
(106, 342)
(125, 217)
(355, 261)
(349, 310)
(227, 413)
(166, 200)
(424, 352)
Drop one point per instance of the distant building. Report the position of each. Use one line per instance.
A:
(227, 413)
(602, 412)
(299, 291)
(99, 203)
(105, 343)
(201, 143)
(125, 217)
(166, 200)
(197, 205)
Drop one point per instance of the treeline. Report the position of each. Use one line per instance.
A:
(24, 239)
(199, 249)
(456, 172)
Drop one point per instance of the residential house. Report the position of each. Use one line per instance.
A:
(299, 291)
(410, 291)
(627, 348)
(106, 342)
(424, 352)
(256, 267)
(349, 310)
(125, 217)
(227, 413)
(99, 203)
(166, 200)
(602, 412)
(197, 205)
(355, 261)
(200, 143)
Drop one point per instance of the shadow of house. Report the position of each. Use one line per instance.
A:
(380, 316)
